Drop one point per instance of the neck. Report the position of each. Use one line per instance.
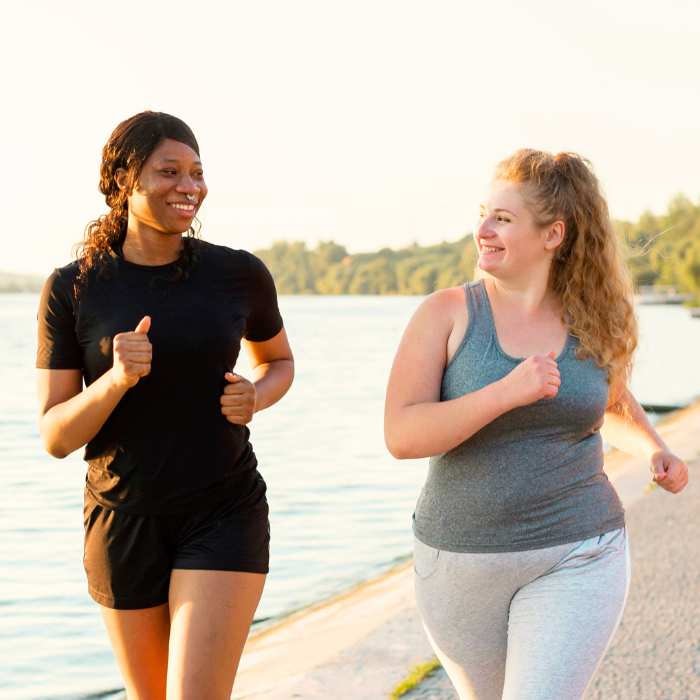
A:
(146, 246)
(530, 296)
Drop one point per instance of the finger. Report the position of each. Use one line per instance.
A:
(137, 368)
(235, 413)
(238, 389)
(239, 421)
(144, 325)
(140, 357)
(550, 391)
(234, 403)
(243, 403)
(233, 378)
(132, 339)
(658, 467)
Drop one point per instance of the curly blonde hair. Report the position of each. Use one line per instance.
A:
(588, 273)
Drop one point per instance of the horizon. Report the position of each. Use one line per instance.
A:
(311, 245)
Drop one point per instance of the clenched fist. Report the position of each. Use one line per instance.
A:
(238, 399)
(535, 378)
(132, 353)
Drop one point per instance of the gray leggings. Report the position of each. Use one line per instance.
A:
(530, 625)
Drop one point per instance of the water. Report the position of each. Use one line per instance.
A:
(340, 505)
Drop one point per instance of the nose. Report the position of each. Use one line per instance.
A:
(484, 228)
(187, 185)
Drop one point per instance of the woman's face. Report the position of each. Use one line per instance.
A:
(508, 240)
(170, 188)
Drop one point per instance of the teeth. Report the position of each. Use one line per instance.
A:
(183, 207)
(490, 249)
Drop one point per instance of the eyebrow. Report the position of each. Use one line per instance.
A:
(482, 206)
(177, 160)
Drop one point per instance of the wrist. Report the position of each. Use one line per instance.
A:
(115, 382)
(502, 395)
(654, 446)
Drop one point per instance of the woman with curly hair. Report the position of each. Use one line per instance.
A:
(521, 556)
(150, 318)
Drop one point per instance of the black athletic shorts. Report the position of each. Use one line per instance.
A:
(128, 558)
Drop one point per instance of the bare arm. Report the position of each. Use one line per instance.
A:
(70, 418)
(273, 372)
(416, 422)
(273, 369)
(633, 433)
(628, 428)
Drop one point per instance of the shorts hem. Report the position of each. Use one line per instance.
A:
(204, 565)
(108, 601)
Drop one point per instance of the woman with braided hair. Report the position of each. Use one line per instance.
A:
(521, 555)
(150, 319)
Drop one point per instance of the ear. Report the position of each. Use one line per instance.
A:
(554, 236)
(120, 179)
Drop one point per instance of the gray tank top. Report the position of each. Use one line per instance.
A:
(531, 478)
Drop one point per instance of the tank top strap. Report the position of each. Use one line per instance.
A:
(480, 321)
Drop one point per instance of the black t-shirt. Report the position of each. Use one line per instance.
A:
(166, 447)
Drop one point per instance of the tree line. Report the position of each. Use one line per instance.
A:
(660, 250)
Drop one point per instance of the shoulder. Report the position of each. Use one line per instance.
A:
(446, 302)
(224, 255)
(66, 273)
(62, 279)
(440, 310)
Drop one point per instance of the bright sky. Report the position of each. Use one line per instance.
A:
(369, 122)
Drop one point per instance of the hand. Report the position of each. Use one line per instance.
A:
(132, 354)
(238, 399)
(668, 471)
(535, 378)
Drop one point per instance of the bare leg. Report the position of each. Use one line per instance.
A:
(140, 643)
(211, 613)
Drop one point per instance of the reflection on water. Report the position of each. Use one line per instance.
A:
(340, 505)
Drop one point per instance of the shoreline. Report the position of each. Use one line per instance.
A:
(285, 650)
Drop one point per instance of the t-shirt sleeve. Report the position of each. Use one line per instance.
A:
(264, 321)
(57, 344)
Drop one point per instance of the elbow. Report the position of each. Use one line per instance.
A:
(53, 446)
(398, 448)
(56, 450)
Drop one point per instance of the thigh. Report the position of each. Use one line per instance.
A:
(561, 623)
(463, 600)
(211, 613)
(140, 643)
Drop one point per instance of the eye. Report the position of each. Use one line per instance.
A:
(168, 171)
(503, 218)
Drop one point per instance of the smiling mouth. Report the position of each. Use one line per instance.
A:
(490, 249)
(186, 208)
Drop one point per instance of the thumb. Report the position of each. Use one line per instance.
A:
(552, 354)
(658, 467)
(231, 377)
(144, 325)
